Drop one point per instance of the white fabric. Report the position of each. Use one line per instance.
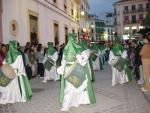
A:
(75, 96)
(96, 65)
(52, 74)
(11, 93)
(117, 77)
(83, 57)
(141, 81)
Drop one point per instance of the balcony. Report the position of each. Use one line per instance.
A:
(139, 10)
(125, 11)
(132, 22)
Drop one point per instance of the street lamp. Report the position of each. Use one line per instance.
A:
(92, 26)
(82, 13)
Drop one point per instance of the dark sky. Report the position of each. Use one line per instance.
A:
(99, 7)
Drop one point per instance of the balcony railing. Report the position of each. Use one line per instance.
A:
(132, 22)
(135, 11)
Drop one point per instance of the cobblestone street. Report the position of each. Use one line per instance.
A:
(126, 98)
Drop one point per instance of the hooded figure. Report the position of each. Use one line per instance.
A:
(18, 90)
(119, 63)
(84, 44)
(76, 86)
(95, 56)
(50, 64)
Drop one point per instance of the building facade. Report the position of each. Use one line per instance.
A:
(40, 20)
(129, 15)
(99, 29)
(109, 27)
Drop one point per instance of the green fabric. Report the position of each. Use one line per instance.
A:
(117, 49)
(89, 86)
(62, 87)
(51, 50)
(95, 50)
(91, 69)
(72, 49)
(94, 47)
(128, 70)
(12, 52)
(28, 90)
(84, 44)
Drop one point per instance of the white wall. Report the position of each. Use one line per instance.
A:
(18, 10)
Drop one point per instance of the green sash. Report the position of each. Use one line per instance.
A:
(28, 90)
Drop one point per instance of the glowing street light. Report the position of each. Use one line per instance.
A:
(82, 13)
(92, 26)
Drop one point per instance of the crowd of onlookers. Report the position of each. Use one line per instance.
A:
(33, 56)
(133, 48)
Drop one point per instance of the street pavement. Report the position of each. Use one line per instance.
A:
(125, 98)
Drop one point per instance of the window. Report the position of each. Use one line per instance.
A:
(147, 6)
(66, 34)
(56, 33)
(133, 7)
(133, 18)
(33, 19)
(65, 6)
(72, 11)
(55, 1)
(126, 9)
(115, 10)
(73, 31)
(141, 17)
(126, 19)
(134, 31)
(140, 6)
(108, 31)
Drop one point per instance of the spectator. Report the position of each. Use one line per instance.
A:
(40, 58)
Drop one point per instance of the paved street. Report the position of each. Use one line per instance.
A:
(125, 98)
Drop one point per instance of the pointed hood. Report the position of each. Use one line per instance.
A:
(12, 52)
(51, 49)
(94, 47)
(72, 49)
(117, 48)
(83, 43)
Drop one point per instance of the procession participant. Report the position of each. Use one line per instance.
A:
(50, 64)
(118, 61)
(76, 86)
(101, 58)
(84, 44)
(18, 90)
(95, 54)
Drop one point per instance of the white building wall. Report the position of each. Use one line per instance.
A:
(18, 10)
(120, 16)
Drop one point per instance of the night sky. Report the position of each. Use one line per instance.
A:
(99, 7)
